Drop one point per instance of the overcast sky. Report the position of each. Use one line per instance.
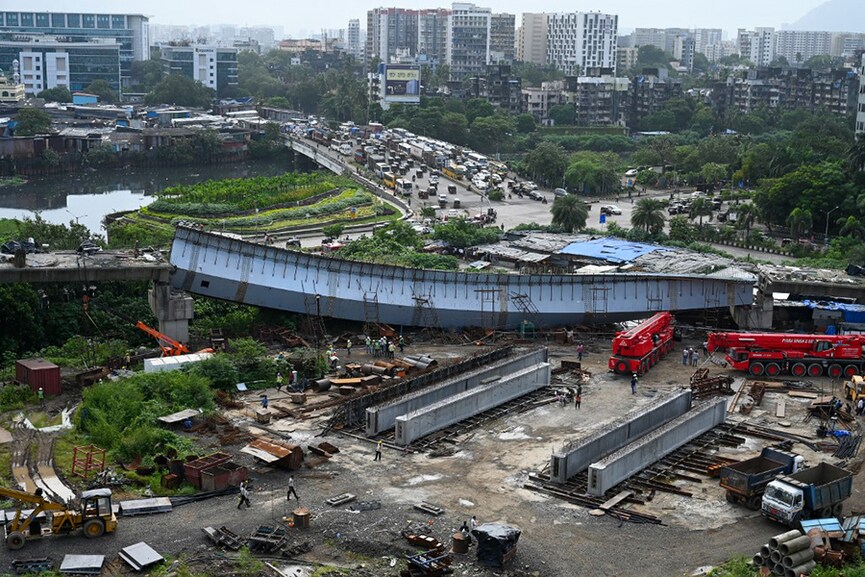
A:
(297, 16)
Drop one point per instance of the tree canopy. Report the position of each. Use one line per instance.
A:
(181, 91)
(32, 121)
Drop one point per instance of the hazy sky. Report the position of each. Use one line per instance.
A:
(300, 16)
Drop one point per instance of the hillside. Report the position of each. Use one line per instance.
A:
(834, 16)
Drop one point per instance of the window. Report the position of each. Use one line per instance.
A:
(58, 21)
(73, 20)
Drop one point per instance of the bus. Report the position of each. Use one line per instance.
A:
(454, 171)
(478, 159)
(389, 180)
(403, 186)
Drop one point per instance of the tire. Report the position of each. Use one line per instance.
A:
(621, 367)
(756, 369)
(834, 370)
(15, 540)
(94, 528)
(773, 369)
(815, 370)
(798, 370)
(731, 498)
(850, 371)
(836, 509)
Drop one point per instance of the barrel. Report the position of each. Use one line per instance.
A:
(460, 543)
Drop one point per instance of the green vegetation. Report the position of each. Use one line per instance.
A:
(32, 121)
(569, 213)
(460, 233)
(57, 94)
(14, 397)
(396, 244)
(181, 91)
(10, 181)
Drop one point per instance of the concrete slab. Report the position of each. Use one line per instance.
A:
(82, 564)
(140, 555)
(636, 456)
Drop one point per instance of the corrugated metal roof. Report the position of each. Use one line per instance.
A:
(611, 249)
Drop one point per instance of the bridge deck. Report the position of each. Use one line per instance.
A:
(68, 267)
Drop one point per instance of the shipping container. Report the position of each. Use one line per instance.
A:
(193, 469)
(38, 373)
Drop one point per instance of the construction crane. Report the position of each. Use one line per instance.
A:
(170, 347)
(640, 348)
(94, 516)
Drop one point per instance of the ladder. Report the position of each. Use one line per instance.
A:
(314, 321)
(527, 306)
(370, 312)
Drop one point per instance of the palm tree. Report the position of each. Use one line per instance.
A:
(648, 215)
(799, 222)
(699, 208)
(856, 155)
(746, 214)
(569, 213)
(851, 226)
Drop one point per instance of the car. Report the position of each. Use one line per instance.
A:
(293, 241)
(560, 192)
(611, 209)
(632, 172)
(88, 247)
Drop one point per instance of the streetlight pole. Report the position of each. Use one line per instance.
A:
(76, 217)
(826, 234)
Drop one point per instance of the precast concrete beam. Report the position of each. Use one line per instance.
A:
(383, 417)
(633, 458)
(447, 412)
(600, 442)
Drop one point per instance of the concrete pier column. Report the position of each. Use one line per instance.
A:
(173, 309)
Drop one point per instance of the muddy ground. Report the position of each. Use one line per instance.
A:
(483, 477)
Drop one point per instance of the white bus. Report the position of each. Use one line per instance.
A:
(478, 159)
(403, 186)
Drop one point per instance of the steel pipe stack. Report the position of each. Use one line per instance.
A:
(787, 555)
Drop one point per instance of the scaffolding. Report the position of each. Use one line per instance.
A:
(527, 306)
(87, 459)
(314, 321)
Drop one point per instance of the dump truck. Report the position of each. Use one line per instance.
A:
(816, 492)
(796, 354)
(94, 516)
(640, 348)
(746, 480)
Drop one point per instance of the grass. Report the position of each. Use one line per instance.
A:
(10, 181)
(8, 228)
(41, 419)
(6, 479)
(64, 445)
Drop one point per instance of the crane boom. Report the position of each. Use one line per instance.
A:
(170, 348)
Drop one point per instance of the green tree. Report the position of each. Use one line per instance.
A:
(525, 123)
(181, 91)
(103, 90)
(682, 230)
(546, 162)
(800, 222)
(460, 233)
(489, 132)
(649, 56)
(856, 155)
(563, 114)
(146, 74)
(333, 230)
(478, 108)
(746, 214)
(569, 213)
(57, 94)
(455, 128)
(592, 173)
(699, 208)
(713, 172)
(278, 102)
(649, 215)
(852, 226)
(32, 121)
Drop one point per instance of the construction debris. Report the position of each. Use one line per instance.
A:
(34, 565)
(787, 554)
(82, 564)
(275, 452)
(429, 508)
(497, 544)
(343, 499)
(702, 385)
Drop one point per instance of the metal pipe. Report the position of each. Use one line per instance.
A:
(776, 541)
(798, 558)
(758, 560)
(775, 556)
(778, 570)
(793, 545)
(765, 551)
(804, 569)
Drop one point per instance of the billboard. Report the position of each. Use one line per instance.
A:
(402, 83)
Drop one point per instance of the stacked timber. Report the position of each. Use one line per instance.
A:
(787, 555)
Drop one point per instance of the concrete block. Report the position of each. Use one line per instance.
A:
(472, 402)
(383, 417)
(638, 455)
(577, 456)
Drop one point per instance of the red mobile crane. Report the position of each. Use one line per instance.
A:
(640, 348)
(170, 347)
(799, 355)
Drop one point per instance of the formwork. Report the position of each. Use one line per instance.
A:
(464, 405)
(631, 459)
(383, 417)
(577, 456)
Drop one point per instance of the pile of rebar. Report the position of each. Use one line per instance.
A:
(787, 555)
(848, 447)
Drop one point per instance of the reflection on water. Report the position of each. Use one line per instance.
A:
(88, 196)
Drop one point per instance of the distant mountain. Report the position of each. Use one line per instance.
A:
(834, 16)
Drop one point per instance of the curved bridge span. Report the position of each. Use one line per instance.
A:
(216, 266)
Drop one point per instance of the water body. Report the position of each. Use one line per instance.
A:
(87, 197)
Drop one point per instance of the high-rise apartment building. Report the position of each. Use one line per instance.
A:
(71, 31)
(532, 39)
(353, 45)
(860, 107)
(758, 45)
(580, 40)
(797, 46)
(391, 30)
(502, 38)
(432, 36)
(468, 40)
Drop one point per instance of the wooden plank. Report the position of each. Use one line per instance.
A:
(781, 408)
(802, 395)
(616, 500)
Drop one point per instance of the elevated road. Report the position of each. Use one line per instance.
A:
(71, 267)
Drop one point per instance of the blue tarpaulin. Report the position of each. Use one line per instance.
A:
(613, 250)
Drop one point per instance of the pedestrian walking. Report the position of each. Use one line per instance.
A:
(634, 384)
(291, 489)
(578, 399)
(685, 357)
(368, 345)
(378, 451)
(278, 381)
(348, 347)
(244, 496)
(581, 348)
(695, 358)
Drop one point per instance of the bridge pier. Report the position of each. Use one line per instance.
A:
(173, 309)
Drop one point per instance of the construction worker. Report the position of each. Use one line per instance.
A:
(391, 349)
(40, 394)
(291, 489)
(244, 496)
(348, 347)
(401, 344)
(378, 451)
(368, 345)
(634, 384)
(278, 380)
(264, 401)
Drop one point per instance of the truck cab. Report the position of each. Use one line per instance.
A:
(783, 502)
